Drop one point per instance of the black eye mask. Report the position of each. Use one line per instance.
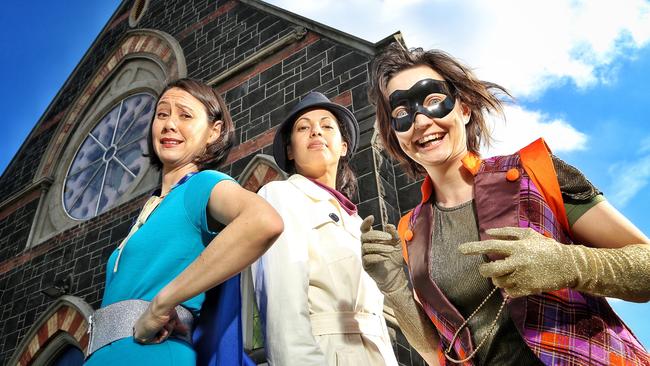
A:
(413, 101)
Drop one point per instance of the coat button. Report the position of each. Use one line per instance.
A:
(512, 175)
(408, 235)
(334, 217)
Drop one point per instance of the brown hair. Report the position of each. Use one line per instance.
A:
(217, 151)
(346, 180)
(480, 96)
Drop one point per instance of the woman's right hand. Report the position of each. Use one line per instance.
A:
(382, 256)
(155, 326)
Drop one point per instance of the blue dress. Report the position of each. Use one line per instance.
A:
(173, 236)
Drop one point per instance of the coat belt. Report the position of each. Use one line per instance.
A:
(347, 323)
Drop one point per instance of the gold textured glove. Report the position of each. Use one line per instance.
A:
(382, 256)
(382, 260)
(534, 263)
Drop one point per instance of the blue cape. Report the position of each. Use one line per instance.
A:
(217, 337)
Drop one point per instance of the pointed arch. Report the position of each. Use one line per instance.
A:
(64, 322)
(259, 171)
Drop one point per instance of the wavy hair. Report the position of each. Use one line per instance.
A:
(481, 97)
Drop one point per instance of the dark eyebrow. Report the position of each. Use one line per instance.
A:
(181, 105)
(301, 119)
(185, 107)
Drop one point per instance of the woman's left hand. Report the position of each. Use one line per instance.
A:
(533, 263)
(155, 326)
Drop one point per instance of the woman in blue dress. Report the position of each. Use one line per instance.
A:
(201, 230)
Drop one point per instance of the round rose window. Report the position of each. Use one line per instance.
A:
(109, 159)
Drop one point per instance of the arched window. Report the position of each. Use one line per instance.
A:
(102, 165)
(94, 162)
(109, 159)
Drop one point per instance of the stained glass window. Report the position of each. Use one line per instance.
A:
(109, 159)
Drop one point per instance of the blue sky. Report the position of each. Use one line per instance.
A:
(579, 70)
(42, 42)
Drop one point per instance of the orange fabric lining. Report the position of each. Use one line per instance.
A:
(536, 160)
(401, 229)
(472, 163)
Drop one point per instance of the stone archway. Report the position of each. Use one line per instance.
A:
(69, 315)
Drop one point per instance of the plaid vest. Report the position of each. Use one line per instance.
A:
(563, 327)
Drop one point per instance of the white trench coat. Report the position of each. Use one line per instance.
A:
(318, 305)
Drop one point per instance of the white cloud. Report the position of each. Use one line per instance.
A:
(523, 126)
(527, 46)
(645, 145)
(628, 179)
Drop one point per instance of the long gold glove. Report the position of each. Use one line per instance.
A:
(382, 260)
(382, 256)
(535, 264)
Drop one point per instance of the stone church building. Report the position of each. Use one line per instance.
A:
(71, 193)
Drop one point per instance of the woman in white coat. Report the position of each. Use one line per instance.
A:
(318, 305)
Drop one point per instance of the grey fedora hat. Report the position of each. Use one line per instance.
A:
(313, 100)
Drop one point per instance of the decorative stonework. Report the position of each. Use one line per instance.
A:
(261, 170)
(155, 45)
(137, 12)
(68, 315)
(143, 62)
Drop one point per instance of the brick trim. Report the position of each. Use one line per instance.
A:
(207, 19)
(118, 20)
(135, 43)
(22, 201)
(262, 173)
(344, 99)
(49, 123)
(27, 256)
(66, 319)
(246, 148)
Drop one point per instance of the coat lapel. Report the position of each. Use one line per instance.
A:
(327, 208)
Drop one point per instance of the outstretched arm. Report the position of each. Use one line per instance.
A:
(614, 262)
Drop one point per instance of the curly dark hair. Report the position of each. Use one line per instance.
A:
(216, 152)
(480, 96)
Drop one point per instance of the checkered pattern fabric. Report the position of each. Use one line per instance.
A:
(562, 327)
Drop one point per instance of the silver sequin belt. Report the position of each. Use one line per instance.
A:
(116, 321)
